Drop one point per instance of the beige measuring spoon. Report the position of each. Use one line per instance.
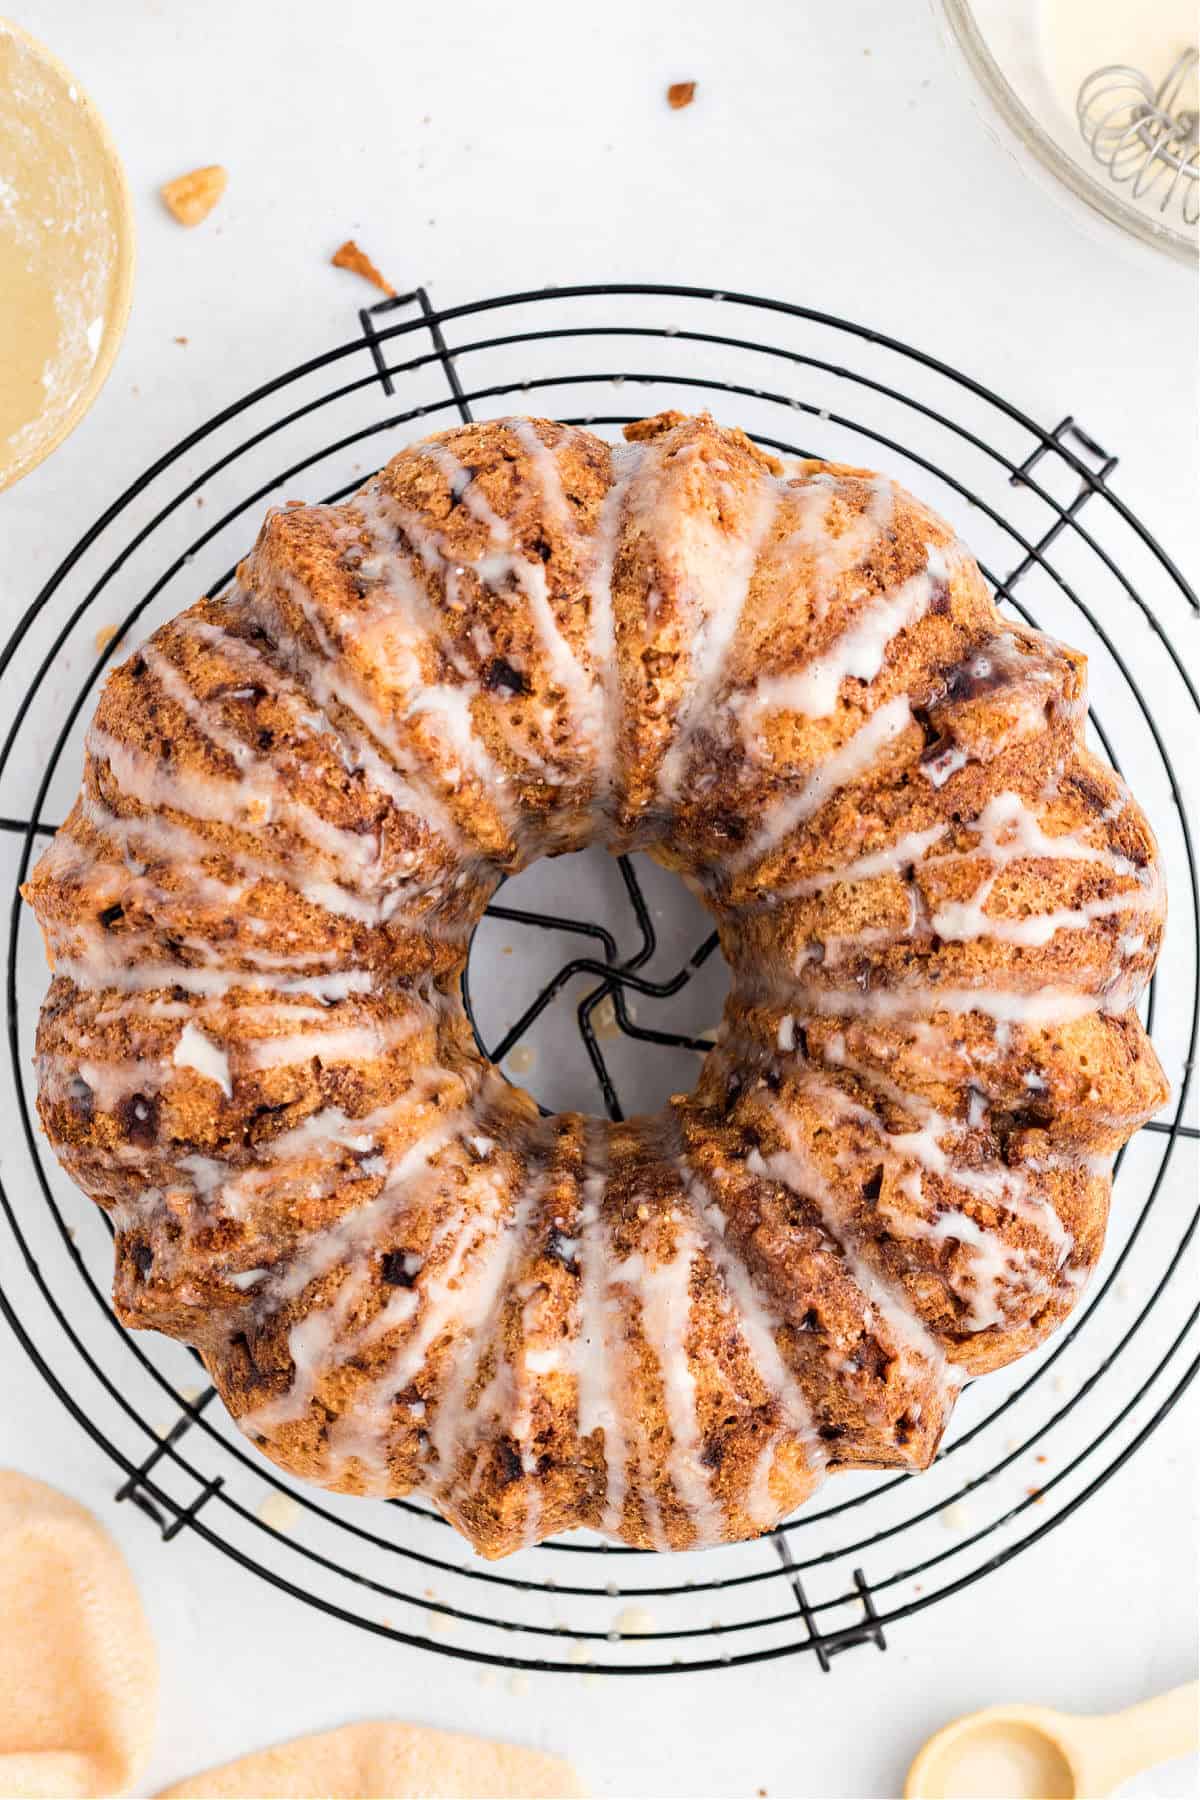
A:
(1033, 1753)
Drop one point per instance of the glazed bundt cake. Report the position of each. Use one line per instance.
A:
(789, 684)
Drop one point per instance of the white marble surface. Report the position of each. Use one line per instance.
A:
(831, 158)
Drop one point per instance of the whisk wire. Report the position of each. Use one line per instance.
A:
(1143, 135)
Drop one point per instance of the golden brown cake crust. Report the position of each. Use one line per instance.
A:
(788, 682)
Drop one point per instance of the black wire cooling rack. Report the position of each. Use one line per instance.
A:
(625, 1019)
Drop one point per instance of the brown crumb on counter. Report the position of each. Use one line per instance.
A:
(104, 638)
(181, 340)
(681, 94)
(190, 198)
(349, 256)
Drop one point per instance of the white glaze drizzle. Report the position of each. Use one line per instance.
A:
(345, 1044)
(963, 921)
(245, 805)
(993, 1183)
(797, 1171)
(504, 1406)
(626, 461)
(332, 683)
(833, 557)
(112, 1079)
(1042, 1006)
(758, 1326)
(890, 860)
(196, 1051)
(351, 737)
(503, 562)
(261, 793)
(721, 568)
(597, 1353)
(396, 631)
(348, 1241)
(858, 653)
(660, 1288)
(215, 981)
(853, 758)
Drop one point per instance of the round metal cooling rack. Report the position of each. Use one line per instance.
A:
(607, 988)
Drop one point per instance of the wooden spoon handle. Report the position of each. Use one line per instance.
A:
(1136, 1739)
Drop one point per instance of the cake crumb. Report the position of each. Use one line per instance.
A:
(279, 1511)
(634, 1621)
(680, 94)
(604, 1019)
(518, 1685)
(955, 1517)
(349, 256)
(179, 340)
(521, 1059)
(191, 197)
(104, 638)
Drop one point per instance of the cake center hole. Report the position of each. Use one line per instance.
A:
(571, 1036)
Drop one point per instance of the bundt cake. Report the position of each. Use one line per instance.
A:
(790, 684)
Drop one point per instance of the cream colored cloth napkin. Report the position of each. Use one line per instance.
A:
(382, 1760)
(79, 1693)
(78, 1669)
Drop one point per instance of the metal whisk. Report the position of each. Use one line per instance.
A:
(1145, 135)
